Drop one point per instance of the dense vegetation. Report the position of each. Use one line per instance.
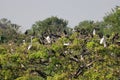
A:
(50, 50)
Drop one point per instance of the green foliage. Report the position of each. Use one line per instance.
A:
(49, 26)
(39, 54)
(56, 61)
(58, 77)
(9, 31)
(2, 50)
(85, 27)
(30, 78)
(91, 45)
(83, 59)
(113, 19)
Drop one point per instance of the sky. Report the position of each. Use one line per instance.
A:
(27, 12)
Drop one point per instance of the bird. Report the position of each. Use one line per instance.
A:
(103, 41)
(105, 45)
(29, 47)
(81, 57)
(23, 41)
(94, 32)
(48, 39)
(66, 44)
(73, 29)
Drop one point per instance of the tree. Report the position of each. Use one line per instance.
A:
(8, 31)
(85, 27)
(52, 25)
(113, 20)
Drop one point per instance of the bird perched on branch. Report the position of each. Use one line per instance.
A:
(66, 44)
(94, 32)
(48, 39)
(29, 47)
(103, 41)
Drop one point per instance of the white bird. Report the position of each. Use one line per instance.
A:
(30, 44)
(22, 66)
(103, 41)
(94, 32)
(29, 47)
(9, 44)
(23, 41)
(48, 39)
(81, 57)
(66, 44)
(105, 45)
(73, 30)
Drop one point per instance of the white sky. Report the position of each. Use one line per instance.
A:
(26, 12)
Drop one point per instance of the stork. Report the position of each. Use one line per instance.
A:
(103, 41)
(48, 39)
(66, 44)
(73, 30)
(94, 32)
(23, 41)
(29, 47)
(81, 57)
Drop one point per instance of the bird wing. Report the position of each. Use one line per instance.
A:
(101, 41)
